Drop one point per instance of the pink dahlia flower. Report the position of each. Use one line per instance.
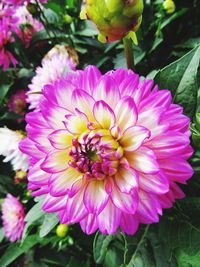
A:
(55, 65)
(17, 102)
(107, 150)
(5, 38)
(13, 218)
(27, 25)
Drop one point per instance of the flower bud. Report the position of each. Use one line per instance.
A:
(113, 18)
(67, 19)
(169, 6)
(62, 230)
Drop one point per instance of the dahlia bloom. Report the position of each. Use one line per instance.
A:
(6, 38)
(107, 151)
(13, 218)
(114, 18)
(58, 62)
(22, 2)
(17, 102)
(27, 25)
(10, 150)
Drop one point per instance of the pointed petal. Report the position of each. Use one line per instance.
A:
(60, 183)
(104, 114)
(56, 161)
(89, 224)
(60, 139)
(95, 196)
(126, 113)
(129, 223)
(126, 180)
(114, 214)
(133, 137)
(143, 160)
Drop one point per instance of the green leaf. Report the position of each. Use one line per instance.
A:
(181, 78)
(50, 221)
(5, 84)
(100, 246)
(1, 234)
(15, 250)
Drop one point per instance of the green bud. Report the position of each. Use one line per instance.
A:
(114, 18)
(62, 230)
(67, 19)
(169, 6)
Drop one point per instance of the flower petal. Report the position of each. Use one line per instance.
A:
(143, 160)
(95, 196)
(107, 90)
(83, 102)
(129, 223)
(133, 137)
(56, 161)
(61, 183)
(38, 176)
(125, 202)
(126, 180)
(126, 113)
(60, 139)
(104, 114)
(89, 224)
(114, 214)
(54, 204)
(76, 124)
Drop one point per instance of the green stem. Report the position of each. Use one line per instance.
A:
(131, 263)
(128, 53)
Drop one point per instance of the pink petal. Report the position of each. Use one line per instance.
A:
(95, 196)
(54, 115)
(54, 204)
(156, 183)
(76, 124)
(114, 214)
(60, 139)
(125, 202)
(104, 114)
(38, 176)
(143, 160)
(133, 137)
(89, 224)
(129, 223)
(126, 113)
(60, 183)
(107, 90)
(83, 102)
(75, 210)
(126, 180)
(88, 79)
(56, 161)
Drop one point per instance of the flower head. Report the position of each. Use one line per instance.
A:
(13, 218)
(27, 25)
(107, 150)
(17, 102)
(58, 62)
(114, 18)
(6, 38)
(9, 149)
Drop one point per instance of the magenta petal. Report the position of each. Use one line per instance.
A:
(60, 139)
(114, 214)
(89, 224)
(95, 196)
(143, 160)
(125, 202)
(129, 223)
(54, 204)
(56, 161)
(75, 210)
(104, 114)
(126, 180)
(126, 113)
(38, 176)
(107, 90)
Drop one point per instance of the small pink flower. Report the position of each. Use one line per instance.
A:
(6, 38)
(17, 102)
(107, 151)
(27, 25)
(13, 218)
(56, 64)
